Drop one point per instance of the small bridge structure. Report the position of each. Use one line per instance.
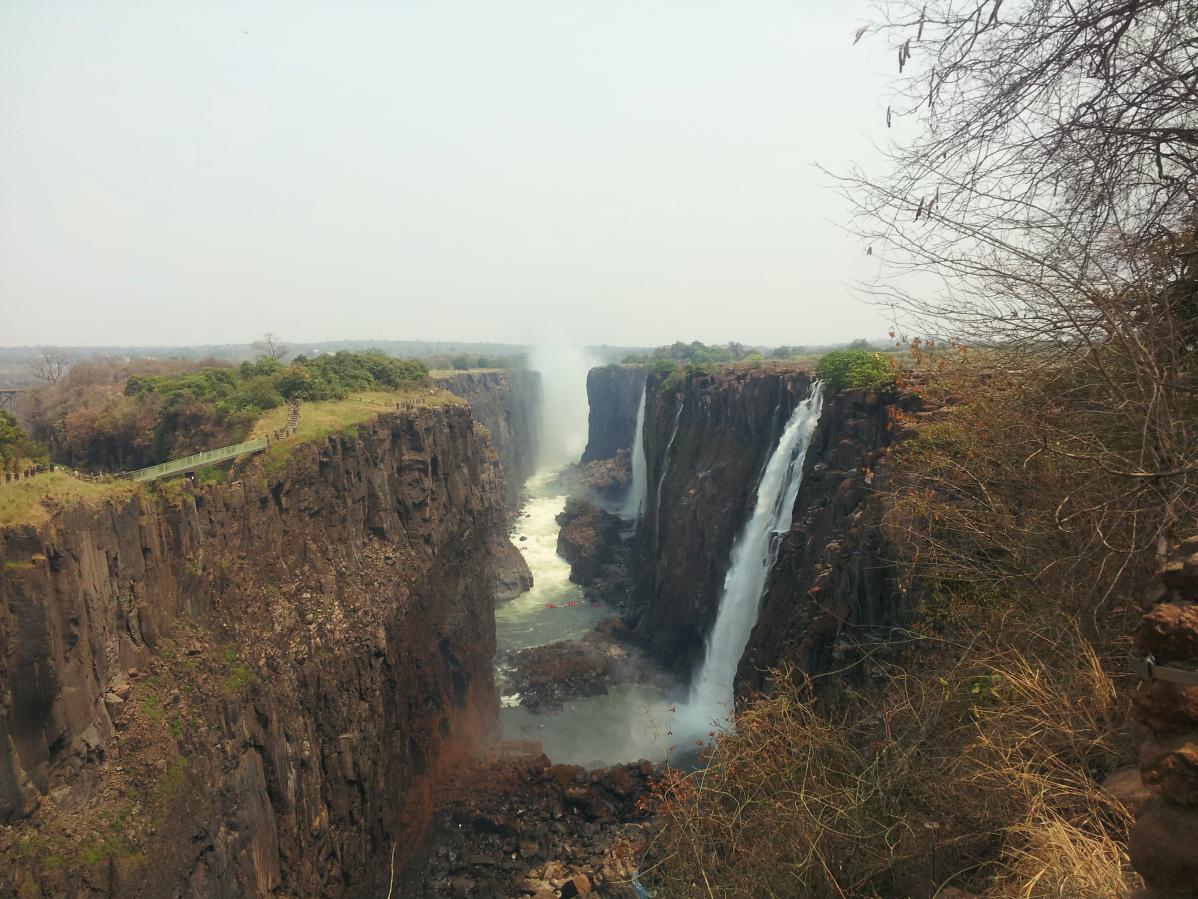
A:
(9, 397)
(223, 454)
(199, 460)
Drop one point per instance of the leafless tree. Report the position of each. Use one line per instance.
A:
(49, 364)
(1051, 191)
(272, 347)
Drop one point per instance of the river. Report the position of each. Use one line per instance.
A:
(631, 721)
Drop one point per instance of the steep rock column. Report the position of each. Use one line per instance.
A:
(832, 585)
(706, 444)
(613, 394)
(1164, 841)
(508, 403)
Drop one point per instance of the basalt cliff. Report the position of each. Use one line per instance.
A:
(707, 441)
(613, 394)
(248, 688)
(508, 403)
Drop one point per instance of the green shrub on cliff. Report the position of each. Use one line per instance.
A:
(113, 417)
(854, 368)
(15, 445)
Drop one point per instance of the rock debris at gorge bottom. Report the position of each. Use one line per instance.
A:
(547, 676)
(516, 825)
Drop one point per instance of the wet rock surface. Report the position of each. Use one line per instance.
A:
(516, 825)
(588, 540)
(706, 442)
(512, 575)
(613, 395)
(547, 676)
(833, 589)
(607, 480)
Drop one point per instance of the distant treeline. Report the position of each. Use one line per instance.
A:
(703, 354)
(466, 361)
(115, 415)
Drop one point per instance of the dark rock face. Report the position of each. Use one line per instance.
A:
(508, 403)
(546, 676)
(512, 574)
(706, 445)
(249, 688)
(831, 577)
(588, 540)
(606, 479)
(520, 826)
(614, 393)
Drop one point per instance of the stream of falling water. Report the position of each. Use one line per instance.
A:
(634, 505)
(753, 556)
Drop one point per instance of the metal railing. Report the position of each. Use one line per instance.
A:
(199, 460)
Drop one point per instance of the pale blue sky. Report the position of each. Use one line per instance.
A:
(615, 172)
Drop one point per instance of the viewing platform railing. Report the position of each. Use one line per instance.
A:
(199, 460)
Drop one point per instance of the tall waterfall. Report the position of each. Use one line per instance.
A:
(634, 504)
(753, 555)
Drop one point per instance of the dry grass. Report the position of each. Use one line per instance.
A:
(330, 416)
(320, 419)
(33, 500)
(978, 776)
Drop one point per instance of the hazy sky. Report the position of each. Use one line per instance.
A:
(625, 172)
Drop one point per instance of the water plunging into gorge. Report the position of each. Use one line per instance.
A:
(657, 718)
(634, 505)
(630, 721)
(753, 555)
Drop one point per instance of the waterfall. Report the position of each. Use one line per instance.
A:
(634, 504)
(753, 555)
(665, 466)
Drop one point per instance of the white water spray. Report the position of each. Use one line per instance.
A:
(564, 405)
(753, 555)
(634, 504)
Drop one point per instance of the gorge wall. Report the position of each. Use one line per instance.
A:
(614, 393)
(508, 402)
(707, 443)
(833, 588)
(246, 689)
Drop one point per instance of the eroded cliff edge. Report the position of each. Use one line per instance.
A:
(508, 403)
(247, 688)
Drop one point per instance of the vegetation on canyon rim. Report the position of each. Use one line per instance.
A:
(116, 415)
(1051, 193)
(854, 368)
(16, 447)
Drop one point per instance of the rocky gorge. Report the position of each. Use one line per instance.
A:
(302, 656)
(253, 684)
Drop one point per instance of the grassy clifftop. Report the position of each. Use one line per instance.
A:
(33, 501)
